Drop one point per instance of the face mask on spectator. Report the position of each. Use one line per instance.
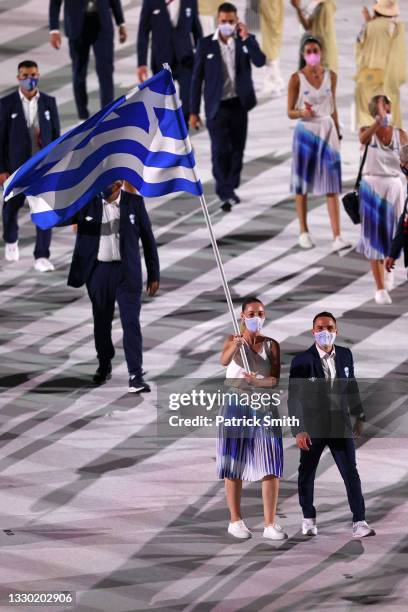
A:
(313, 59)
(226, 29)
(30, 83)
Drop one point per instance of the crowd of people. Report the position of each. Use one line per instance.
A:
(218, 67)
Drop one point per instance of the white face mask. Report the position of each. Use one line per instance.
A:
(226, 29)
(254, 324)
(325, 338)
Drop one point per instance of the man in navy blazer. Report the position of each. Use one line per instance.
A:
(175, 30)
(88, 23)
(107, 260)
(322, 393)
(28, 122)
(223, 63)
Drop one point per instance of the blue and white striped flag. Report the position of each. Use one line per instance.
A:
(141, 138)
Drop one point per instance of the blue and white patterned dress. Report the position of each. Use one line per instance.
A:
(382, 195)
(252, 452)
(316, 164)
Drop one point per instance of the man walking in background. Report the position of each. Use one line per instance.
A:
(28, 122)
(223, 64)
(175, 30)
(88, 23)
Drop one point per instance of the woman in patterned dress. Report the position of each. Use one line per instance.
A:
(250, 452)
(316, 167)
(382, 192)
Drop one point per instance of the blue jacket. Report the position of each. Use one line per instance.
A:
(134, 225)
(15, 140)
(208, 68)
(74, 15)
(323, 410)
(169, 44)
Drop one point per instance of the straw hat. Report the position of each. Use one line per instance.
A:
(388, 8)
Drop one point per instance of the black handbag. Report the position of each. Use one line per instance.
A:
(351, 200)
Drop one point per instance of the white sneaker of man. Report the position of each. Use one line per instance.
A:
(238, 529)
(309, 527)
(305, 241)
(42, 264)
(11, 251)
(339, 244)
(361, 530)
(274, 532)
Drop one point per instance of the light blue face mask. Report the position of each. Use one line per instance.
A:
(325, 338)
(30, 83)
(226, 29)
(254, 324)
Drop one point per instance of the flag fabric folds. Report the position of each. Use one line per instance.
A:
(141, 138)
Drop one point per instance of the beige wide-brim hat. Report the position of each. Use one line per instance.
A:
(388, 8)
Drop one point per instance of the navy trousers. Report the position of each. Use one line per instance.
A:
(10, 227)
(344, 454)
(79, 49)
(106, 285)
(228, 132)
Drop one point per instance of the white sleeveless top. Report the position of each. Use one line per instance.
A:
(235, 371)
(383, 160)
(321, 99)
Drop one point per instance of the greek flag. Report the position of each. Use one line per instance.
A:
(141, 138)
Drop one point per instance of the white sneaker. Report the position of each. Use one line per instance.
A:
(389, 280)
(362, 530)
(42, 264)
(274, 84)
(309, 527)
(339, 244)
(382, 297)
(11, 251)
(238, 529)
(305, 241)
(274, 532)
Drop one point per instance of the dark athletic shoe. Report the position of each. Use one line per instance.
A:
(226, 206)
(138, 385)
(102, 375)
(235, 198)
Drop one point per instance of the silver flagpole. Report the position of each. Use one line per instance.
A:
(215, 246)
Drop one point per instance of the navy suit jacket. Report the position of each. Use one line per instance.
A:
(15, 140)
(169, 43)
(323, 410)
(74, 15)
(400, 240)
(208, 68)
(134, 225)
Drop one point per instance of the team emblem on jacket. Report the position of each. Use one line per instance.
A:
(346, 372)
(188, 12)
(47, 115)
(132, 219)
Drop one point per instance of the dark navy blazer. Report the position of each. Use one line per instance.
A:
(74, 15)
(134, 225)
(323, 410)
(208, 68)
(400, 240)
(169, 43)
(15, 140)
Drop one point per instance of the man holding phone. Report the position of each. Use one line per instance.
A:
(223, 63)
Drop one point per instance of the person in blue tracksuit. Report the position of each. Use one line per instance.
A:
(107, 260)
(29, 121)
(323, 392)
(223, 64)
(88, 23)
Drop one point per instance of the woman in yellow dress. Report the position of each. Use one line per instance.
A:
(317, 18)
(381, 60)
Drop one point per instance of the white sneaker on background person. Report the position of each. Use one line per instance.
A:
(274, 532)
(389, 280)
(361, 530)
(382, 297)
(309, 527)
(42, 264)
(274, 85)
(238, 529)
(305, 241)
(11, 252)
(339, 244)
